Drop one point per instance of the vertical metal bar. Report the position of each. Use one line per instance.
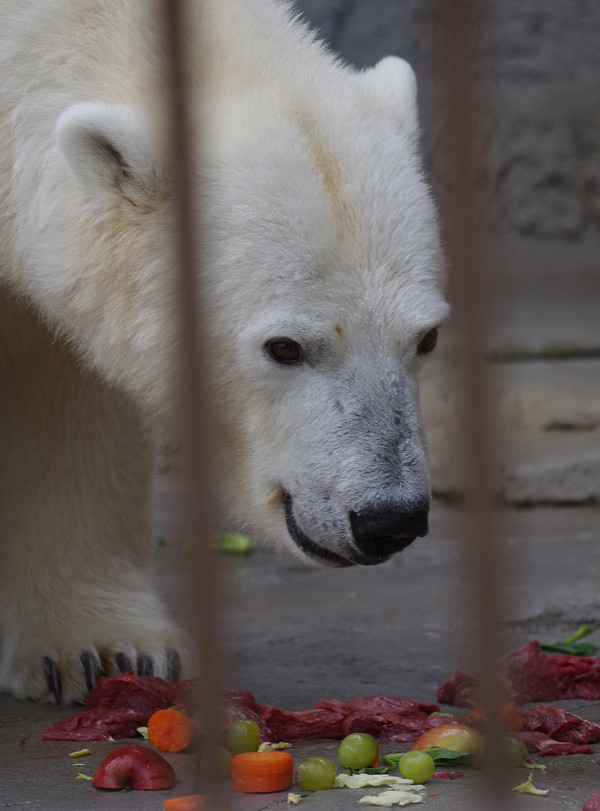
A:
(468, 261)
(195, 433)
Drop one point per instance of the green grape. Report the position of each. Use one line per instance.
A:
(315, 774)
(243, 736)
(515, 751)
(416, 766)
(357, 751)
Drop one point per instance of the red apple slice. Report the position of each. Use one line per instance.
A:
(134, 767)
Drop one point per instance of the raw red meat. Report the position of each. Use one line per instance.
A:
(394, 710)
(305, 725)
(115, 708)
(97, 725)
(397, 719)
(578, 676)
(593, 804)
(118, 705)
(446, 776)
(240, 704)
(362, 722)
(560, 725)
(128, 691)
(528, 674)
(544, 745)
(459, 691)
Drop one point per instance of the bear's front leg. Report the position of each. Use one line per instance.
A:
(76, 592)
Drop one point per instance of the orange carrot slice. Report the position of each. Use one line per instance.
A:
(509, 715)
(170, 730)
(262, 772)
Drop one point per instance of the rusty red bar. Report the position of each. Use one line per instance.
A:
(469, 259)
(195, 416)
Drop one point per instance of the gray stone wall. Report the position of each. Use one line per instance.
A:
(541, 60)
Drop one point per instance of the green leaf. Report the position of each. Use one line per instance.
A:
(440, 756)
(574, 649)
(450, 757)
(374, 769)
(571, 646)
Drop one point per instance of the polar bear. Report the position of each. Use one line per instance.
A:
(323, 279)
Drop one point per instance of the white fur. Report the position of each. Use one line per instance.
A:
(317, 226)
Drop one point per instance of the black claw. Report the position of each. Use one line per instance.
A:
(123, 662)
(145, 666)
(52, 677)
(173, 666)
(90, 669)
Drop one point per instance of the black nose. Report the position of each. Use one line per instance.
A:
(380, 533)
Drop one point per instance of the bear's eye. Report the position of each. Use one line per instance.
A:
(428, 342)
(284, 350)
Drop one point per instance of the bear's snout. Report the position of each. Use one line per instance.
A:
(379, 532)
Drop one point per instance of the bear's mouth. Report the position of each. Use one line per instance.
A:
(306, 545)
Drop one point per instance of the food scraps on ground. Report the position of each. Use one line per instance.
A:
(543, 745)
(262, 772)
(370, 781)
(529, 788)
(528, 674)
(510, 719)
(266, 746)
(136, 767)
(120, 704)
(293, 799)
(593, 804)
(417, 766)
(393, 797)
(315, 774)
(572, 645)
(243, 735)
(456, 737)
(439, 755)
(357, 751)
(447, 775)
(170, 730)
(80, 753)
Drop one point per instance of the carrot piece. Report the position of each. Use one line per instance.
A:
(194, 802)
(170, 730)
(262, 772)
(376, 763)
(509, 715)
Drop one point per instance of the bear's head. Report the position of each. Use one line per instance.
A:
(323, 279)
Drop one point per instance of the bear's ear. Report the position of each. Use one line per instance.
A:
(110, 151)
(392, 84)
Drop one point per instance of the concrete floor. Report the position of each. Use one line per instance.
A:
(296, 635)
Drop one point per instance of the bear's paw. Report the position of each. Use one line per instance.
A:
(62, 663)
